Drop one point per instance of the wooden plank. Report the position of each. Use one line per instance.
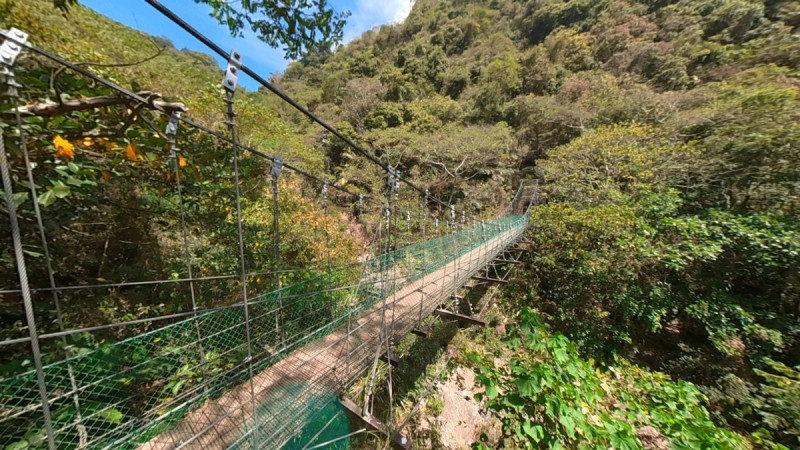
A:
(492, 280)
(459, 317)
(370, 422)
(420, 333)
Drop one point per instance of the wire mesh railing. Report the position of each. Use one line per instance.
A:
(213, 331)
(134, 389)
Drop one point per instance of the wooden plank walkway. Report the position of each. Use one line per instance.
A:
(324, 367)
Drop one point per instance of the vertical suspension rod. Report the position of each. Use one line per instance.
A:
(9, 51)
(229, 82)
(175, 154)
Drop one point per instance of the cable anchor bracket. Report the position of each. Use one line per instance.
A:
(231, 78)
(172, 131)
(390, 178)
(11, 48)
(277, 167)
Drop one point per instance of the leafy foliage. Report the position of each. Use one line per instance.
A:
(107, 184)
(666, 133)
(548, 397)
(777, 404)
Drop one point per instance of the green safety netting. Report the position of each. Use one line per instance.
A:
(131, 390)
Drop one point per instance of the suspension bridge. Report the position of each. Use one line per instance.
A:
(255, 371)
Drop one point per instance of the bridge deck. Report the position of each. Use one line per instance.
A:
(325, 366)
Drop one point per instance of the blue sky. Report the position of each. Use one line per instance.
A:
(365, 14)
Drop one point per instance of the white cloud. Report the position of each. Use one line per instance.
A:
(367, 14)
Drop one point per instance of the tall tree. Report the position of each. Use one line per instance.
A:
(298, 25)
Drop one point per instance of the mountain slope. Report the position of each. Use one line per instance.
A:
(667, 134)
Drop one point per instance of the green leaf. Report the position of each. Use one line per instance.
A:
(60, 190)
(72, 181)
(526, 387)
(491, 390)
(19, 445)
(73, 167)
(513, 342)
(514, 401)
(47, 198)
(560, 354)
(112, 415)
(536, 432)
(20, 198)
(569, 425)
(32, 254)
(177, 387)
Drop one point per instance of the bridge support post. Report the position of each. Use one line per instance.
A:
(467, 320)
(491, 280)
(370, 422)
(420, 332)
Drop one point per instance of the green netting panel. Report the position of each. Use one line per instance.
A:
(131, 390)
(315, 416)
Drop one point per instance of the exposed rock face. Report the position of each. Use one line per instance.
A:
(652, 439)
(463, 419)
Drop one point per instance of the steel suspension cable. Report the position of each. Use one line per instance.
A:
(283, 96)
(243, 264)
(141, 100)
(14, 95)
(16, 237)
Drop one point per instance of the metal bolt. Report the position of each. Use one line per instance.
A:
(6, 56)
(12, 45)
(19, 34)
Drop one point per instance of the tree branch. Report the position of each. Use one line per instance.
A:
(436, 163)
(83, 104)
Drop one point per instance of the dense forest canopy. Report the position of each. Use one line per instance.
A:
(661, 299)
(667, 135)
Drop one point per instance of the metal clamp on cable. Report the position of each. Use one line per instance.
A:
(390, 178)
(9, 51)
(230, 81)
(396, 186)
(275, 172)
(231, 78)
(172, 131)
(172, 126)
(11, 48)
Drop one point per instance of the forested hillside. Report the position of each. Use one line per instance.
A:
(120, 165)
(659, 305)
(667, 135)
(120, 209)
